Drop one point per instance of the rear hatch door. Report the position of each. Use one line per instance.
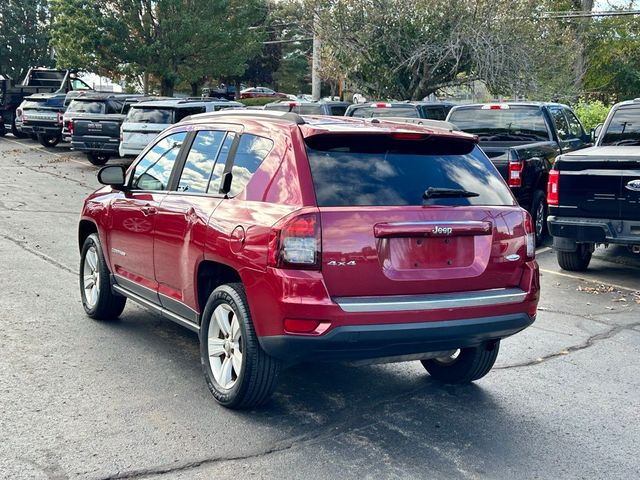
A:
(98, 127)
(380, 236)
(143, 124)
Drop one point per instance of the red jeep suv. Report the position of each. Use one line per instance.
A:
(281, 238)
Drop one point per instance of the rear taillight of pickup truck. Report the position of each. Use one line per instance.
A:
(514, 178)
(553, 190)
(59, 118)
(70, 127)
(296, 243)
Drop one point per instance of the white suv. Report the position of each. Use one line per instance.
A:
(146, 120)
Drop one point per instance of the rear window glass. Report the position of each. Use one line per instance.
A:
(86, 106)
(434, 113)
(150, 115)
(54, 102)
(338, 110)
(514, 123)
(624, 128)
(372, 112)
(366, 170)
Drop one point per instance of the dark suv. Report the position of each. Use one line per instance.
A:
(282, 238)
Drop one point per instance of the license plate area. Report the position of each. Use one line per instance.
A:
(430, 253)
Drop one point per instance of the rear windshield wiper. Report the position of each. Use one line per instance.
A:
(509, 136)
(433, 192)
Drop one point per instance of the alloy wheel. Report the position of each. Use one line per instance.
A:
(91, 277)
(224, 339)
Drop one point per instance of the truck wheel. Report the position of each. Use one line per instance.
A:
(465, 365)
(95, 286)
(14, 130)
(539, 216)
(239, 373)
(49, 141)
(577, 261)
(98, 158)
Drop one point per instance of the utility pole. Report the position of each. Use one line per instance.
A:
(315, 63)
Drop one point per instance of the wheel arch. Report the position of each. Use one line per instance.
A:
(210, 275)
(85, 228)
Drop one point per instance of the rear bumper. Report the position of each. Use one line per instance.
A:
(359, 342)
(104, 145)
(40, 129)
(128, 151)
(592, 230)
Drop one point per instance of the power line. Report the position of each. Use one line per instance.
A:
(581, 14)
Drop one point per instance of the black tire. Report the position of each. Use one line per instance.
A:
(48, 141)
(470, 364)
(98, 158)
(539, 216)
(577, 261)
(14, 130)
(107, 305)
(258, 372)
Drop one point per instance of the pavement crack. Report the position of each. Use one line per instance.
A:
(57, 175)
(43, 256)
(344, 423)
(589, 342)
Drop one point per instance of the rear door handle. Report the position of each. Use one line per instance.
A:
(149, 210)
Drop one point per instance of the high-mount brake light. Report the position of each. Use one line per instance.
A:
(496, 106)
(514, 178)
(293, 104)
(382, 105)
(530, 235)
(408, 136)
(296, 244)
(553, 188)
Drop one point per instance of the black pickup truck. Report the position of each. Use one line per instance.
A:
(37, 80)
(92, 124)
(522, 140)
(41, 116)
(594, 194)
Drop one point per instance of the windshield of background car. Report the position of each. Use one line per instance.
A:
(624, 128)
(338, 110)
(86, 106)
(150, 115)
(380, 170)
(504, 124)
(371, 112)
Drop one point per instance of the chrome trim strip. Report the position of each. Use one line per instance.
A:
(439, 222)
(434, 301)
(162, 311)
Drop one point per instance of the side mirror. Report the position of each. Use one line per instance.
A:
(595, 132)
(226, 183)
(112, 175)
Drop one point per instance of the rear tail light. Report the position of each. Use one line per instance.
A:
(296, 243)
(59, 118)
(71, 127)
(498, 106)
(514, 178)
(408, 136)
(530, 235)
(553, 190)
(18, 112)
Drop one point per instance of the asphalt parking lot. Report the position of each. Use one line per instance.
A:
(126, 399)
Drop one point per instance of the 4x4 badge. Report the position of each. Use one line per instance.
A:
(334, 263)
(633, 185)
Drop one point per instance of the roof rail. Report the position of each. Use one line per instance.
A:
(264, 114)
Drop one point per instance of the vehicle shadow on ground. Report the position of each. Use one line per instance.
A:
(324, 400)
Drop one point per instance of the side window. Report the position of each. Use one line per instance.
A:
(574, 124)
(153, 171)
(560, 123)
(218, 169)
(200, 161)
(185, 112)
(252, 150)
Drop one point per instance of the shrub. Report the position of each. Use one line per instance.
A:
(258, 102)
(591, 113)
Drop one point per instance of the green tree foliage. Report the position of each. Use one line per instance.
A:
(591, 113)
(411, 48)
(24, 36)
(171, 40)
